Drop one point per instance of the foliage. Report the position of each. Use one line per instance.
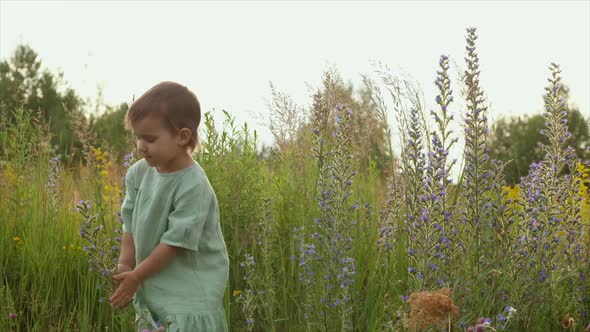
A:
(519, 139)
(319, 238)
(110, 130)
(24, 84)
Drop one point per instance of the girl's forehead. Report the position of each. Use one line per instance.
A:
(149, 123)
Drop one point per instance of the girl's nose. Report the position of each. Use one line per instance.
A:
(141, 147)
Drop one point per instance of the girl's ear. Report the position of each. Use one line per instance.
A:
(185, 135)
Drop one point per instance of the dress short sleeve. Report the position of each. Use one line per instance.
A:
(129, 201)
(189, 213)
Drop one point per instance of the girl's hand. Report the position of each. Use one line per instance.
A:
(120, 269)
(128, 284)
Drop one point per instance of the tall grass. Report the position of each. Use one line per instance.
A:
(319, 241)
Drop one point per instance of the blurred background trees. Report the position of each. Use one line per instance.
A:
(518, 139)
(25, 83)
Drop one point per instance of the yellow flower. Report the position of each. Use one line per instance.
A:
(72, 247)
(10, 174)
(65, 248)
(583, 169)
(99, 155)
(104, 174)
(16, 239)
(237, 292)
(512, 193)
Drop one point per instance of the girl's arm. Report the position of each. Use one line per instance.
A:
(129, 281)
(127, 256)
(160, 257)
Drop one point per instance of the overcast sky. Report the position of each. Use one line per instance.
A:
(228, 52)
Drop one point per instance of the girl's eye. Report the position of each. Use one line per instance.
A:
(147, 139)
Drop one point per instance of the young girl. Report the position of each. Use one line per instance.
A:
(173, 263)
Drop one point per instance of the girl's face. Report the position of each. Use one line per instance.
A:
(159, 146)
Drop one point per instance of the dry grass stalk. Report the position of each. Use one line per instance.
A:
(430, 308)
(82, 131)
(286, 118)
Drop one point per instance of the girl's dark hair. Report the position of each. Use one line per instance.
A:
(174, 103)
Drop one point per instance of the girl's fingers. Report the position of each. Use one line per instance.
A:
(120, 298)
(124, 302)
(116, 298)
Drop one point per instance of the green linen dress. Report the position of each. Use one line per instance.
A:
(179, 209)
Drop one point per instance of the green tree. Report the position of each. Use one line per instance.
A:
(292, 128)
(367, 128)
(519, 139)
(24, 83)
(110, 130)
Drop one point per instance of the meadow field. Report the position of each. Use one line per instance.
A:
(321, 236)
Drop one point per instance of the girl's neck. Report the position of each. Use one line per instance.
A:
(179, 163)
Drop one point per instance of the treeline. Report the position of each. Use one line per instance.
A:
(26, 84)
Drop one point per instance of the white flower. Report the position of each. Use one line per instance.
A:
(510, 310)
